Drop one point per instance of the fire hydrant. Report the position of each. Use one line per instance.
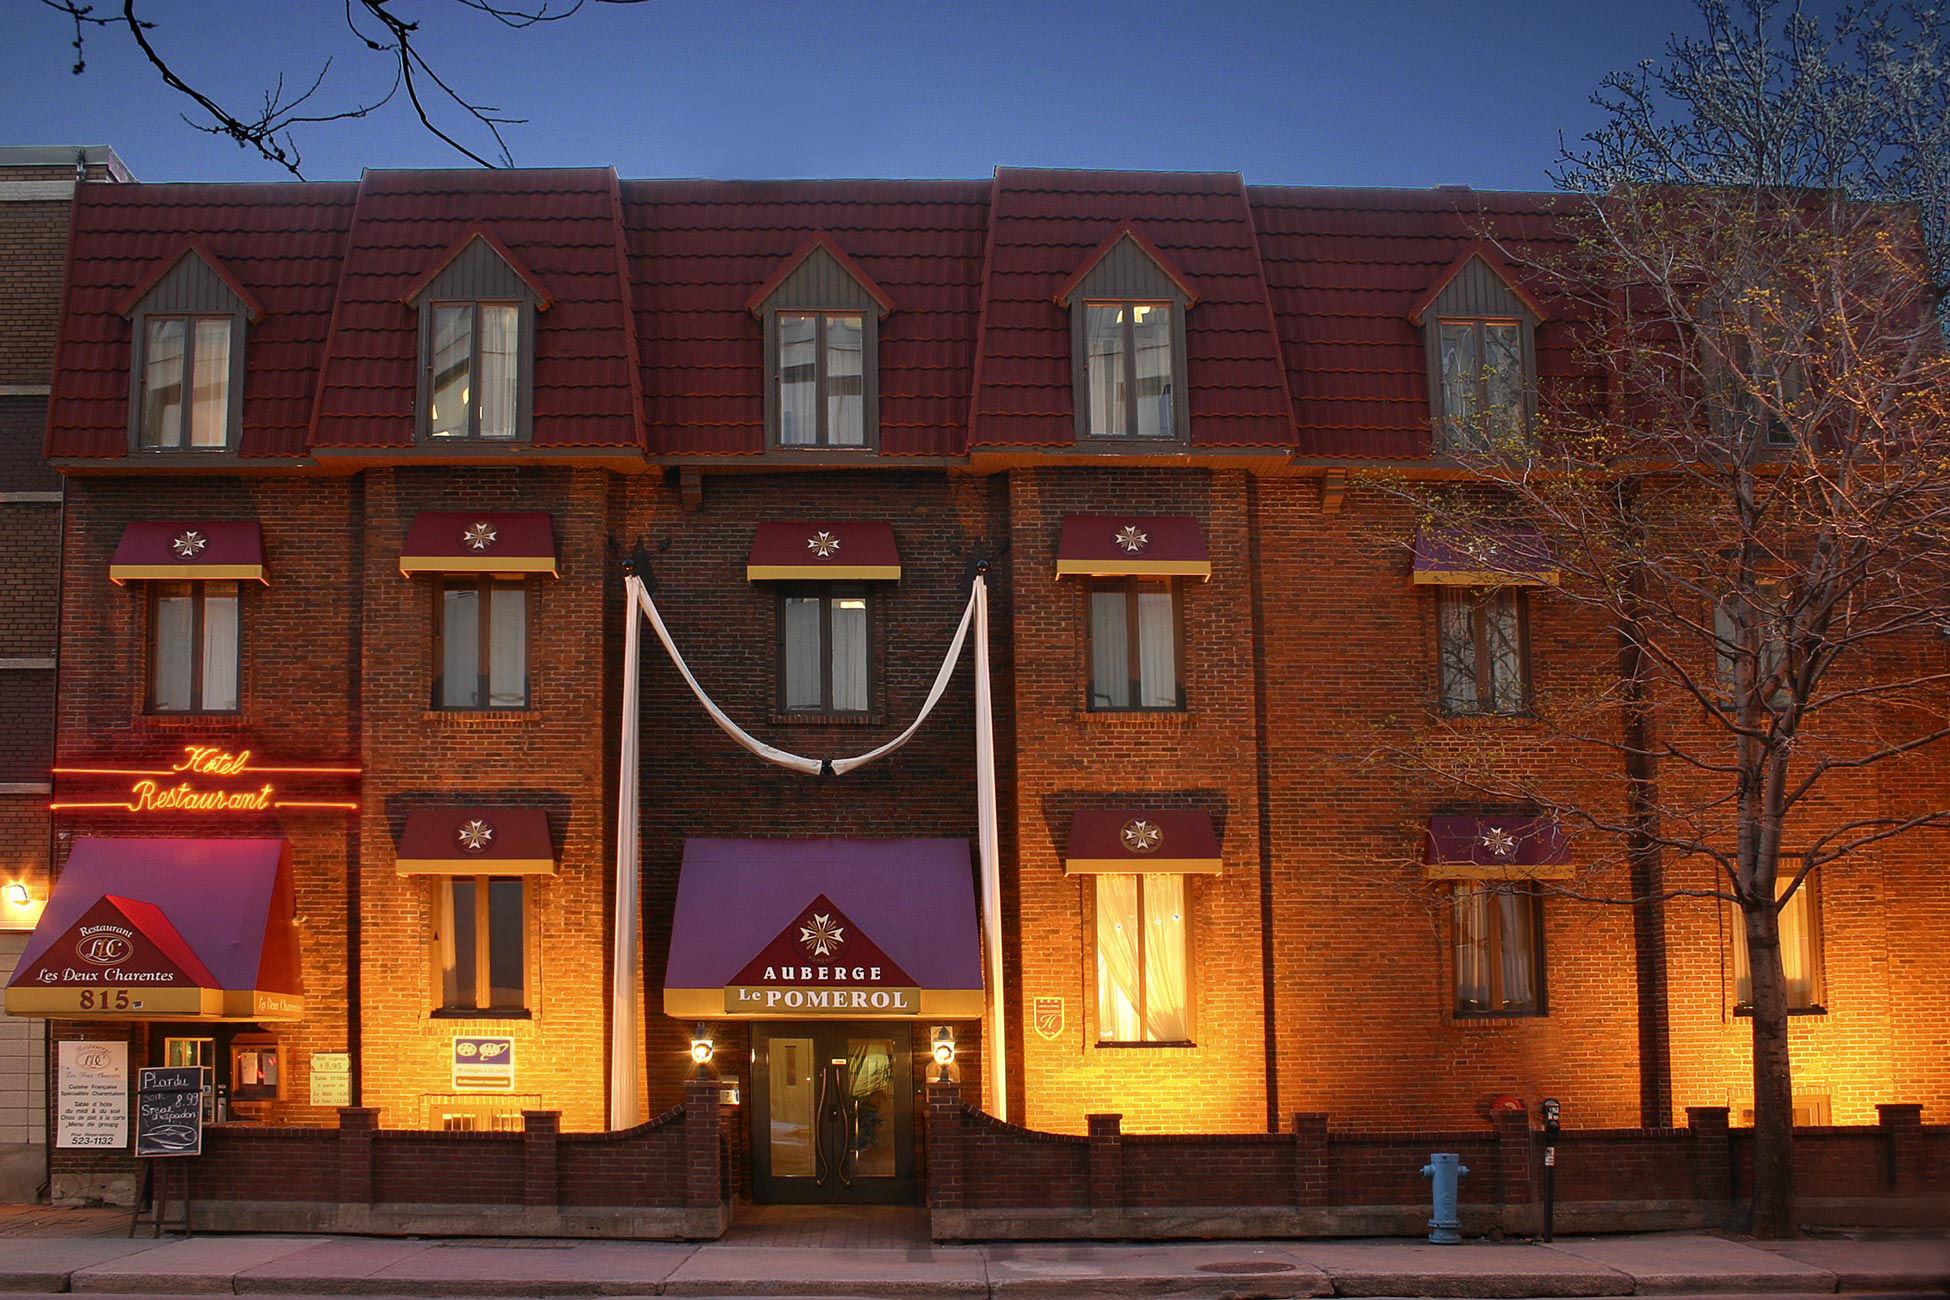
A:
(1447, 1171)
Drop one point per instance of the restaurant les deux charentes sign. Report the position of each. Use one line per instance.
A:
(206, 779)
(821, 964)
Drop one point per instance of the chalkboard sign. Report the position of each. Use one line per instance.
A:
(169, 1111)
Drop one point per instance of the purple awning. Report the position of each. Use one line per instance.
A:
(878, 927)
(1483, 555)
(1495, 847)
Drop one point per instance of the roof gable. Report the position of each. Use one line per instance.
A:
(1486, 253)
(194, 275)
(1127, 239)
(812, 270)
(470, 255)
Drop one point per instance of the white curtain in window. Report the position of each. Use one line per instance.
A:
(508, 651)
(1157, 648)
(500, 351)
(1472, 948)
(1117, 960)
(457, 943)
(1797, 938)
(1103, 329)
(210, 404)
(453, 350)
(1513, 919)
(1457, 634)
(1152, 332)
(175, 634)
(220, 646)
(1503, 629)
(1503, 378)
(1110, 650)
(460, 658)
(798, 381)
(850, 653)
(845, 381)
(162, 384)
(1165, 986)
(1460, 373)
(802, 652)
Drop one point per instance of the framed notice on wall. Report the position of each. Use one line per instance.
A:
(484, 1065)
(91, 1107)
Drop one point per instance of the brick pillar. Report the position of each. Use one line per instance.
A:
(1516, 1177)
(1106, 1161)
(541, 1134)
(944, 1146)
(1310, 1158)
(356, 1127)
(703, 1145)
(1902, 1122)
(1712, 1153)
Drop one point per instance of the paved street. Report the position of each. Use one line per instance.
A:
(776, 1251)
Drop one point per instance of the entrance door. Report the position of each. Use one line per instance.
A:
(833, 1113)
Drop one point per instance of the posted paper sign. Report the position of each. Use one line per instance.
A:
(331, 1079)
(484, 1065)
(91, 1109)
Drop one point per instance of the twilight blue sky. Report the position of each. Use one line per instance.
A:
(1415, 93)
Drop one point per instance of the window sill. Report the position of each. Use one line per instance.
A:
(1485, 716)
(1141, 719)
(188, 721)
(781, 719)
(1119, 443)
(1745, 1012)
(479, 717)
(459, 1013)
(1494, 1019)
(1176, 1045)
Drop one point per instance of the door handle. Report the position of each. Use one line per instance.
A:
(821, 1171)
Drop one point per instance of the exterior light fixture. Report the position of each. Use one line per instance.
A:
(944, 1053)
(16, 894)
(702, 1049)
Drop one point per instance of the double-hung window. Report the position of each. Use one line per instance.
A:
(1143, 959)
(822, 379)
(186, 376)
(1499, 949)
(1483, 401)
(1750, 648)
(1799, 923)
(193, 647)
(481, 945)
(1484, 656)
(481, 643)
(473, 370)
(1135, 641)
(825, 649)
(1129, 372)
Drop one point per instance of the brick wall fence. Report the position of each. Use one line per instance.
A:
(664, 1178)
(991, 1179)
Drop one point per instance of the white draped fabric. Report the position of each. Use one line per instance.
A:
(623, 1048)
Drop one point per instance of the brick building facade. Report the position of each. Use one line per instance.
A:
(1201, 616)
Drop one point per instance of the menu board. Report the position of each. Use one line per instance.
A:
(169, 1111)
(91, 1108)
(331, 1079)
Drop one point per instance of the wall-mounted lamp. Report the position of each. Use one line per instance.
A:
(16, 895)
(944, 1053)
(702, 1050)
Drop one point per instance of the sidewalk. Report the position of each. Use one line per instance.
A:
(776, 1264)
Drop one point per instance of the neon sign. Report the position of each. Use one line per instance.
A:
(211, 779)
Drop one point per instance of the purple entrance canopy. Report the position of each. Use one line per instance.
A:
(915, 899)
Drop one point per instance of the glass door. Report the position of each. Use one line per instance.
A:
(833, 1113)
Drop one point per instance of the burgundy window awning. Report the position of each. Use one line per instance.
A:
(165, 929)
(1489, 555)
(824, 550)
(480, 541)
(1142, 839)
(193, 550)
(860, 929)
(1113, 546)
(1496, 848)
(476, 841)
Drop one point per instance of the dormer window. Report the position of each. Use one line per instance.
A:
(477, 306)
(1127, 305)
(187, 362)
(1479, 330)
(821, 314)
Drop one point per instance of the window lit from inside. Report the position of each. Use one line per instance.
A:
(1750, 648)
(824, 650)
(1134, 644)
(1499, 949)
(1800, 937)
(186, 382)
(193, 659)
(482, 644)
(822, 379)
(1128, 369)
(474, 351)
(482, 944)
(1143, 992)
(1482, 384)
(1484, 658)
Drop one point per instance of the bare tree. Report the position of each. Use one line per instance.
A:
(374, 29)
(1750, 486)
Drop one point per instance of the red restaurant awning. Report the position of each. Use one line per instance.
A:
(1504, 554)
(474, 841)
(1496, 848)
(208, 550)
(165, 929)
(1111, 546)
(824, 550)
(1142, 839)
(480, 541)
(864, 929)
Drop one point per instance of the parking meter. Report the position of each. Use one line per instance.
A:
(1552, 1113)
(1552, 1110)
